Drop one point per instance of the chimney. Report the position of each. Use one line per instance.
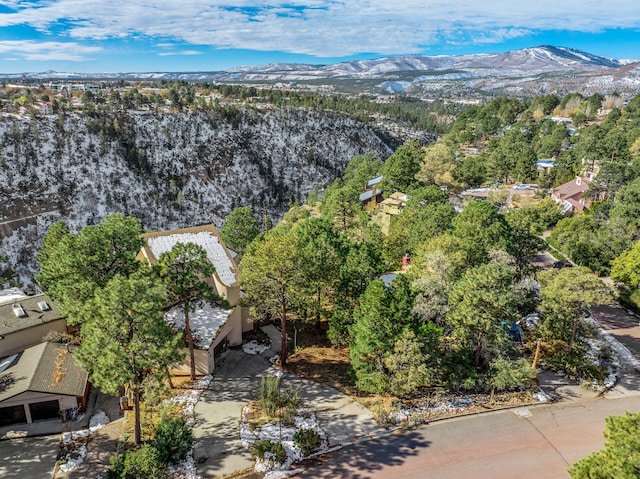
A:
(406, 261)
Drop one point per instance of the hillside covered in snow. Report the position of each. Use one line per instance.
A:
(169, 170)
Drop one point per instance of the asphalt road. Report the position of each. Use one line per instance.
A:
(29, 457)
(500, 445)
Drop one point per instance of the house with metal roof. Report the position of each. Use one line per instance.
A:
(26, 320)
(212, 327)
(40, 383)
(373, 195)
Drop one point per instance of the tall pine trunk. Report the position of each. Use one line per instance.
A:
(137, 428)
(187, 329)
(283, 338)
(283, 329)
(478, 351)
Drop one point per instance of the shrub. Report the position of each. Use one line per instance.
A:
(173, 439)
(307, 440)
(277, 403)
(276, 449)
(143, 463)
(269, 395)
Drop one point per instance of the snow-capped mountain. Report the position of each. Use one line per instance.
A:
(535, 60)
(525, 72)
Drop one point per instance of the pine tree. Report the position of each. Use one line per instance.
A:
(126, 338)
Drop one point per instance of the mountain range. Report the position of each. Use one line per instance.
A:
(529, 71)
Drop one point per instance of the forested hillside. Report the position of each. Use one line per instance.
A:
(167, 169)
(454, 318)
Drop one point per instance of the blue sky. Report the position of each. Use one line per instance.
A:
(212, 35)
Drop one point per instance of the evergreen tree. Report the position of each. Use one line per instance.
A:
(481, 304)
(126, 338)
(270, 276)
(73, 266)
(239, 229)
(620, 456)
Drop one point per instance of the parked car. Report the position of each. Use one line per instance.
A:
(562, 264)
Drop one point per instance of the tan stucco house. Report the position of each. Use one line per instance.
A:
(25, 320)
(212, 327)
(40, 383)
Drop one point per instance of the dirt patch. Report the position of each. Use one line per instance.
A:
(325, 365)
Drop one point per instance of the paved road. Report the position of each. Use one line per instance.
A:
(24, 458)
(500, 445)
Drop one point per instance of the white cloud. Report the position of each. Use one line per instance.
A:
(321, 28)
(183, 52)
(43, 51)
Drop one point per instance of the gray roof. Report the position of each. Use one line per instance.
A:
(46, 368)
(34, 316)
(374, 181)
(367, 195)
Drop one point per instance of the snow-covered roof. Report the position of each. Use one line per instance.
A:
(208, 241)
(205, 322)
(10, 295)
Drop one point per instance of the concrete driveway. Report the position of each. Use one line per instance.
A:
(217, 447)
(28, 457)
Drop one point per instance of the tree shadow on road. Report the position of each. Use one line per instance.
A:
(613, 316)
(361, 460)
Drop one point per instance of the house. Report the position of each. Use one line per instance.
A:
(571, 196)
(25, 320)
(42, 382)
(212, 327)
(45, 108)
(390, 207)
(545, 165)
(372, 196)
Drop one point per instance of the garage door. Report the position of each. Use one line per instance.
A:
(44, 410)
(12, 415)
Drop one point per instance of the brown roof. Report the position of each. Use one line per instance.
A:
(571, 189)
(33, 314)
(46, 368)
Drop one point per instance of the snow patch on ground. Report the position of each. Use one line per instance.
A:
(98, 421)
(185, 469)
(74, 459)
(187, 399)
(74, 442)
(542, 396)
(607, 351)
(421, 414)
(254, 347)
(276, 432)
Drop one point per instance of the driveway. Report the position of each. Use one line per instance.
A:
(28, 457)
(217, 447)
